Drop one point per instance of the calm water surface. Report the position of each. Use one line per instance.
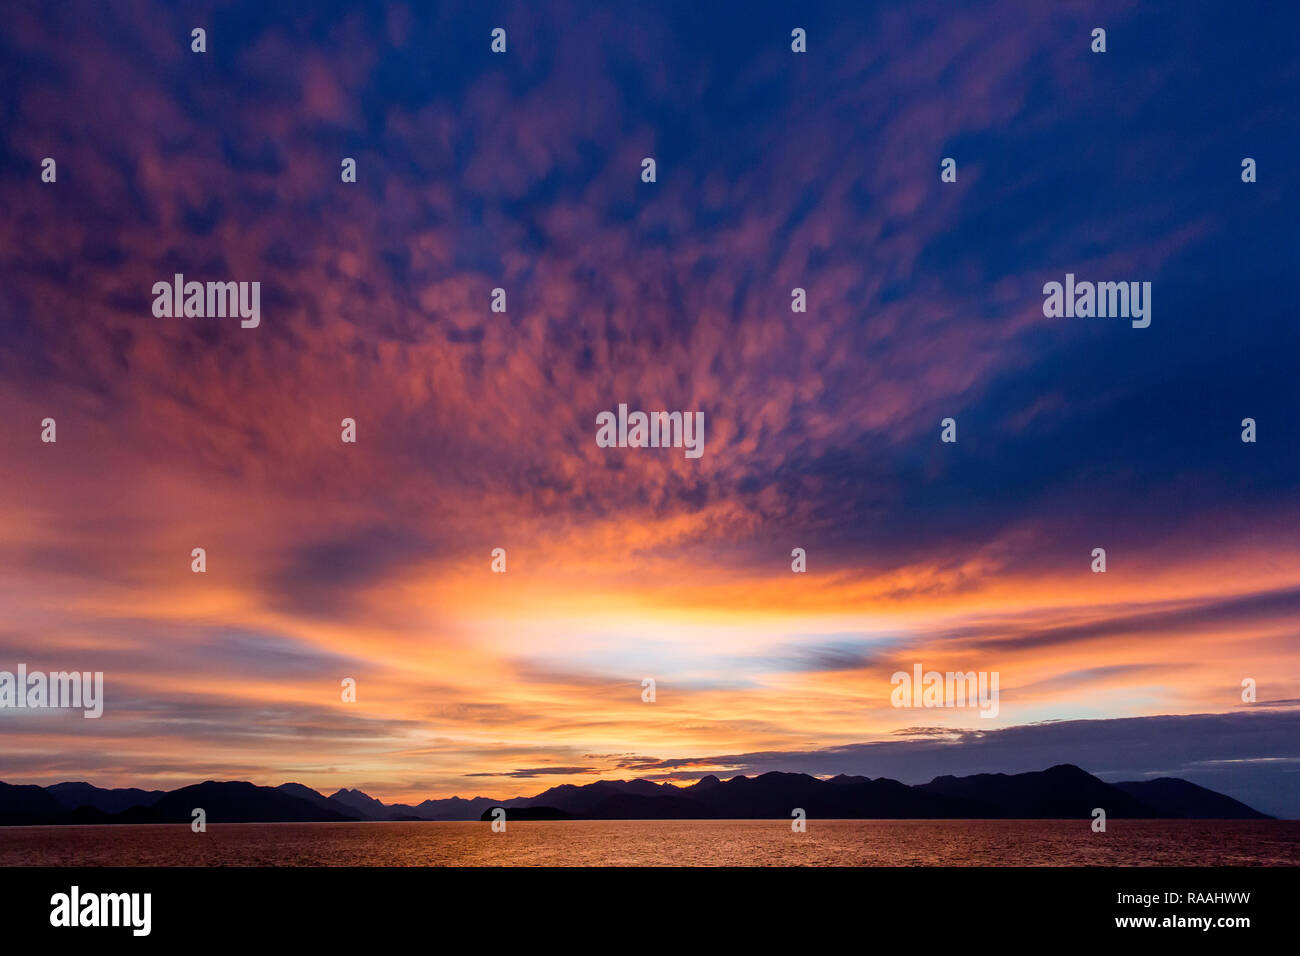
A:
(664, 843)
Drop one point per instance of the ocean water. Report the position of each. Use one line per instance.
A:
(664, 843)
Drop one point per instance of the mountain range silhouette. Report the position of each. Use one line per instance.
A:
(1060, 792)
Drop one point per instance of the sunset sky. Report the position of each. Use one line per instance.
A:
(476, 430)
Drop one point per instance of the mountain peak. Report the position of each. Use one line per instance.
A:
(1067, 769)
